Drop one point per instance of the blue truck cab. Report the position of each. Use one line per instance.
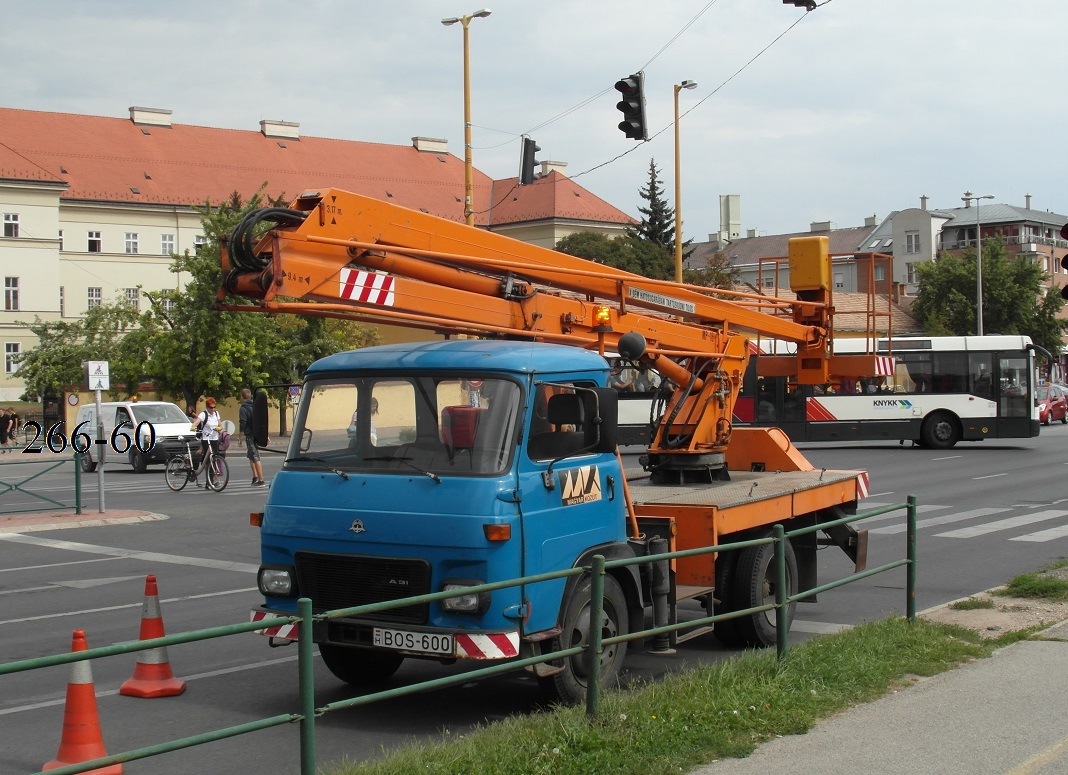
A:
(435, 466)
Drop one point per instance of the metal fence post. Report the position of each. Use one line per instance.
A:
(594, 647)
(910, 553)
(306, 676)
(77, 482)
(782, 624)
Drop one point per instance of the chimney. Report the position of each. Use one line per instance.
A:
(150, 116)
(871, 221)
(283, 130)
(750, 233)
(430, 145)
(553, 166)
(968, 200)
(1027, 201)
(730, 217)
(923, 202)
(820, 226)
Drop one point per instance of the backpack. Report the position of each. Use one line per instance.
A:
(224, 440)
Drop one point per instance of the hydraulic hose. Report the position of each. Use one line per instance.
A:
(244, 235)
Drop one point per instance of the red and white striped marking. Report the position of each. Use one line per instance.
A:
(498, 645)
(284, 631)
(884, 365)
(367, 287)
(862, 485)
(817, 412)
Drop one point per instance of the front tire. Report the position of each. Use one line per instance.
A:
(138, 460)
(177, 473)
(940, 431)
(221, 478)
(359, 667)
(569, 686)
(754, 585)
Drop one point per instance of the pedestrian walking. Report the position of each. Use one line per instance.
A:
(252, 452)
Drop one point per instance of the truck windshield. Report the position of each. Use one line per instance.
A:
(440, 425)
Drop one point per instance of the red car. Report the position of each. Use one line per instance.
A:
(1052, 404)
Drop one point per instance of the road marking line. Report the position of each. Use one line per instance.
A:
(133, 554)
(1044, 535)
(1002, 524)
(59, 564)
(991, 476)
(960, 517)
(127, 605)
(1042, 759)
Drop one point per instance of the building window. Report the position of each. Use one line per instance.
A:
(61, 239)
(839, 280)
(133, 297)
(131, 242)
(912, 242)
(168, 304)
(11, 294)
(62, 301)
(96, 245)
(166, 244)
(95, 298)
(12, 350)
(910, 274)
(880, 274)
(199, 241)
(769, 282)
(11, 224)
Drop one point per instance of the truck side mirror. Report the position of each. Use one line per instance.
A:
(603, 407)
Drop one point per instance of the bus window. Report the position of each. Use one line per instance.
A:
(981, 369)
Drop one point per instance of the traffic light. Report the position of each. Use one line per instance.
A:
(527, 162)
(633, 106)
(1064, 261)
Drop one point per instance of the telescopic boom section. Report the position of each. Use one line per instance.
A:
(338, 254)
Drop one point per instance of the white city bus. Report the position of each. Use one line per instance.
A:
(938, 391)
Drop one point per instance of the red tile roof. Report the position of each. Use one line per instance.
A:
(115, 160)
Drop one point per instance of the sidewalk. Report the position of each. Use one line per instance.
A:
(1005, 714)
(32, 522)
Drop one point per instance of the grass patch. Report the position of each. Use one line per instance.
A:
(722, 710)
(971, 604)
(1044, 583)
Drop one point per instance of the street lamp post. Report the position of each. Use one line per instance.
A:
(678, 182)
(978, 259)
(469, 178)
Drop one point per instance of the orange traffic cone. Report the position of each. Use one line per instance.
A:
(152, 675)
(82, 739)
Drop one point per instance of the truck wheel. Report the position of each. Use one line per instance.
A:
(726, 632)
(87, 464)
(940, 431)
(359, 667)
(137, 460)
(569, 686)
(754, 584)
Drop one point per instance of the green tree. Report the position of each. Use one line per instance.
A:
(1015, 299)
(629, 253)
(658, 218)
(718, 272)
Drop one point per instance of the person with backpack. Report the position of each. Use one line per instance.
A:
(209, 423)
(252, 452)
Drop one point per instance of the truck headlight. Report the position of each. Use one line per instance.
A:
(277, 582)
(471, 603)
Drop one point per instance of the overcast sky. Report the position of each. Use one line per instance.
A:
(854, 109)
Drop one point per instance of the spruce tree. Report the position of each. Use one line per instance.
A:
(658, 219)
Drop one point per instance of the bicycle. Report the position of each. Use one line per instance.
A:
(181, 470)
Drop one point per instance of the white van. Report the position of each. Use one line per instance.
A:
(172, 428)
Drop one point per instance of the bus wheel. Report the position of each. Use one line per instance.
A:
(359, 667)
(940, 431)
(754, 585)
(569, 685)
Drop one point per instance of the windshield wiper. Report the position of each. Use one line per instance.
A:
(306, 459)
(413, 466)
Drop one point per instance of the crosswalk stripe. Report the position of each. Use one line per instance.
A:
(1003, 524)
(921, 508)
(1044, 535)
(934, 521)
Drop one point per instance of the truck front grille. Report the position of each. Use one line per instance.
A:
(334, 581)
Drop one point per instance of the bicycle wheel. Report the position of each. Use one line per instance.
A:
(221, 476)
(177, 473)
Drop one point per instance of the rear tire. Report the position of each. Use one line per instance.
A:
(177, 473)
(137, 460)
(940, 431)
(754, 584)
(726, 632)
(87, 463)
(569, 686)
(359, 667)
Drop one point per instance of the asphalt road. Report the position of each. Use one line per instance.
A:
(987, 512)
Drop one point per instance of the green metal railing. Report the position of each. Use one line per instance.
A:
(593, 650)
(11, 484)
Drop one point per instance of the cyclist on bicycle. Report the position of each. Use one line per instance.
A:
(208, 423)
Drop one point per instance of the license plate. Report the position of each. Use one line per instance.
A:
(423, 642)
